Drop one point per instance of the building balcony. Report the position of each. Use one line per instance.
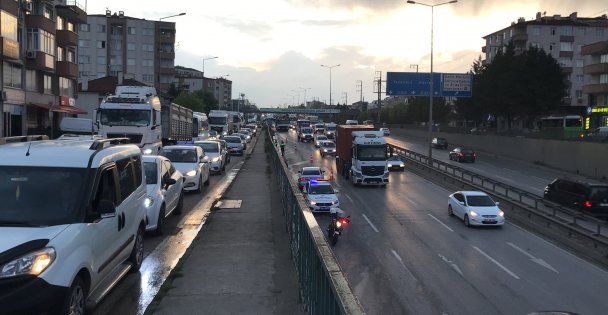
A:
(567, 69)
(67, 38)
(166, 39)
(39, 21)
(598, 68)
(519, 37)
(67, 69)
(166, 55)
(566, 54)
(73, 11)
(9, 6)
(38, 60)
(9, 48)
(483, 49)
(169, 71)
(566, 38)
(595, 88)
(595, 48)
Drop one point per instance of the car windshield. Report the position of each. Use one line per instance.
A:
(328, 144)
(232, 139)
(321, 190)
(179, 155)
(311, 172)
(41, 196)
(321, 138)
(209, 147)
(151, 173)
(480, 201)
(394, 158)
(306, 130)
(599, 193)
(124, 117)
(330, 128)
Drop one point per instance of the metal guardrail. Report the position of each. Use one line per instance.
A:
(323, 286)
(577, 224)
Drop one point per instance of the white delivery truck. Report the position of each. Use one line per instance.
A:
(221, 121)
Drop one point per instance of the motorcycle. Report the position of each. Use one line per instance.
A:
(336, 225)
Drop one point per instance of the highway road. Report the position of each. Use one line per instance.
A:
(403, 254)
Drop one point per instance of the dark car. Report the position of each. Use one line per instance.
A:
(439, 143)
(462, 154)
(579, 195)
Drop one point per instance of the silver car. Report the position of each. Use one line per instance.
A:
(235, 145)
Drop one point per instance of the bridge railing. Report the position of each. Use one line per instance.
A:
(323, 286)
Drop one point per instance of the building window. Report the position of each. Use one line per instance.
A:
(59, 23)
(165, 79)
(566, 46)
(131, 30)
(553, 31)
(147, 78)
(116, 45)
(578, 93)
(147, 47)
(115, 60)
(147, 62)
(101, 44)
(101, 28)
(116, 29)
(59, 53)
(131, 46)
(580, 78)
(536, 30)
(101, 60)
(69, 26)
(30, 80)
(101, 74)
(131, 62)
(604, 58)
(9, 26)
(580, 63)
(40, 40)
(565, 62)
(12, 75)
(66, 87)
(582, 31)
(166, 63)
(166, 48)
(84, 74)
(579, 48)
(47, 87)
(83, 43)
(535, 45)
(47, 12)
(84, 59)
(604, 78)
(566, 30)
(85, 27)
(147, 32)
(599, 32)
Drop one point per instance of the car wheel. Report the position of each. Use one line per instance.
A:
(450, 211)
(200, 184)
(160, 221)
(180, 204)
(467, 223)
(75, 300)
(208, 178)
(137, 254)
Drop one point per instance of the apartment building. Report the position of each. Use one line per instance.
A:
(561, 37)
(191, 80)
(115, 45)
(38, 42)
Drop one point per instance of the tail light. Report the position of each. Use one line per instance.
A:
(301, 179)
(587, 204)
(344, 221)
(460, 154)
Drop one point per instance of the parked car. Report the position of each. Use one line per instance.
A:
(394, 163)
(579, 195)
(385, 131)
(72, 222)
(164, 185)
(439, 143)
(462, 154)
(320, 196)
(307, 173)
(235, 145)
(319, 138)
(215, 153)
(327, 147)
(475, 208)
(191, 162)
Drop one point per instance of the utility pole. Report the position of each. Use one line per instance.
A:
(378, 80)
(359, 88)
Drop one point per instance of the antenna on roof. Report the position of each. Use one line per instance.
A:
(28, 149)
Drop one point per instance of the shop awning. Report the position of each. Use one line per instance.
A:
(61, 109)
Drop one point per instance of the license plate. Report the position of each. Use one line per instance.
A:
(489, 221)
(323, 208)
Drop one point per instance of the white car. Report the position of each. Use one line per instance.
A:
(164, 184)
(213, 150)
(385, 131)
(475, 208)
(319, 138)
(191, 162)
(320, 196)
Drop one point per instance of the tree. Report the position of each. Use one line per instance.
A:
(199, 101)
(471, 108)
(418, 110)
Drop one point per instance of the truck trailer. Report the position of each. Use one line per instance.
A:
(361, 155)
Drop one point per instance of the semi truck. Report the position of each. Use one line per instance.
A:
(283, 124)
(138, 113)
(221, 121)
(361, 155)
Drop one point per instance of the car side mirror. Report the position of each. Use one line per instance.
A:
(498, 203)
(205, 159)
(336, 191)
(461, 203)
(170, 181)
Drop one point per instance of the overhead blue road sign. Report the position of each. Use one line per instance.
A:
(417, 84)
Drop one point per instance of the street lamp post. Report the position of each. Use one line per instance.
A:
(305, 89)
(205, 59)
(330, 67)
(430, 136)
(170, 16)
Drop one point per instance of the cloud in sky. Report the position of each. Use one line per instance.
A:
(271, 47)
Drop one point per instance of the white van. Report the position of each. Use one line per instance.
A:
(72, 222)
(352, 122)
(78, 126)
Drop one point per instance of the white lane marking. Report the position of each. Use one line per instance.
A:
(349, 198)
(403, 264)
(300, 163)
(453, 265)
(410, 200)
(534, 259)
(444, 225)
(497, 263)
(510, 170)
(370, 223)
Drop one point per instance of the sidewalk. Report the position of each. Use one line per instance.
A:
(240, 261)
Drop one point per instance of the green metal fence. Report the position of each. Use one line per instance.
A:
(323, 286)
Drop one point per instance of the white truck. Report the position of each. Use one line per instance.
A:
(362, 155)
(221, 121)
(137, 112)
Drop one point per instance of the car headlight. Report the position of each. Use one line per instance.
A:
(324, 150)
(31, 264)
(312, 203)
(335, 202)
(148, 202)
(389, 165)
(215, 159)
(146, 151)
(402, 165)
(191, 173)
(501, 213)
(473, 213)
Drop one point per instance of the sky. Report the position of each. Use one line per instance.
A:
(272, 50)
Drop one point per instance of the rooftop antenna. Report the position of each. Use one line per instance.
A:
(28, 149)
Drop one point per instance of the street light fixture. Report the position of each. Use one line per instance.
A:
(205, 59)
(170, 16)
(430, 136)
(330, 67)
